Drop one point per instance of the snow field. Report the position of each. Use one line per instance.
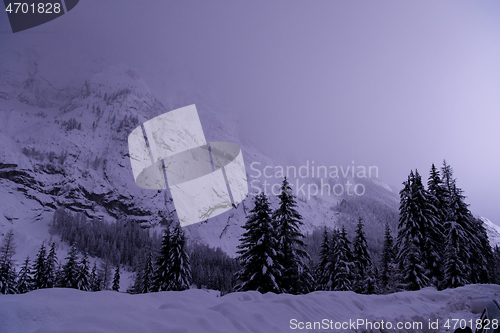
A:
(197, 311)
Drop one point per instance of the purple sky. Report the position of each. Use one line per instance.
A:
(397, 84)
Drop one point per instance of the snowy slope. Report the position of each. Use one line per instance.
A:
(493, 231)
(68, 310)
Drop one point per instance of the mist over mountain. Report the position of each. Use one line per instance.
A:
(67, 147)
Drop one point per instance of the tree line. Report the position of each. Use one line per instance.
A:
(47, 272)
(439, 243)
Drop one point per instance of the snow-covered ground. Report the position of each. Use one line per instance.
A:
(68, 310)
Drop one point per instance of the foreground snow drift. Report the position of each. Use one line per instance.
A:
(68, 310)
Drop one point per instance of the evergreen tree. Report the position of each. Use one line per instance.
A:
(481, 254)
(388, 258)
(83, 278)
(163, 263)
(7, 269)
(296, 277)
(24, 280)
(258, 252)
(415, 213)
(344, 265)
(455, 271)
(414, 277)
(144, 282)
(40, 269)
(116, 279)
(439, 198)
(180, 271)
(70, 270)
(440, 193)
(468, 253)
(461, 243)
(324, 271)
(361, 258)
(447, 178)
(95, 283)
(51, 267)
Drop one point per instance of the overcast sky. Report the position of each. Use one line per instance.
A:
(396, 84)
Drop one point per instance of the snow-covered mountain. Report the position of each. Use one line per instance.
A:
(67, 147)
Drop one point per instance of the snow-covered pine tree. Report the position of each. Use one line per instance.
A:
(463, 241)
(180, 271)
(388, 259)
(447, 178)
(344, 265)
(324, 271)
(7, 268)
(70, 270)
(83, 277)
(440, 192)
(361, 258)
(95, 283)
(51, 266)
(439, 198)
(40, 269)
(427, 216)
(455, 271)
(24, 280)
(116, 279)
(144, 278)
(413, 274)
(296, 277)
(482, 254)
(258, 251)
(413, 213)
(163, 263)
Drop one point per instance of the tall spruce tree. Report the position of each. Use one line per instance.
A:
(258, 251)
(344, 266)
(430, 228)
(95, 283)
(40, 269)
(7, 268)
(296, 277)
(51, 266)
(83, 277)
(324, 271)
(116, 279)
(439, 198)
(180, 271)
(482, 254)
(71, 269)
(24, 280)
(412, 231)
(462, 241)
(455, 270)
(388, 259)
(362, 260)
(163, 263)
(144, 282)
